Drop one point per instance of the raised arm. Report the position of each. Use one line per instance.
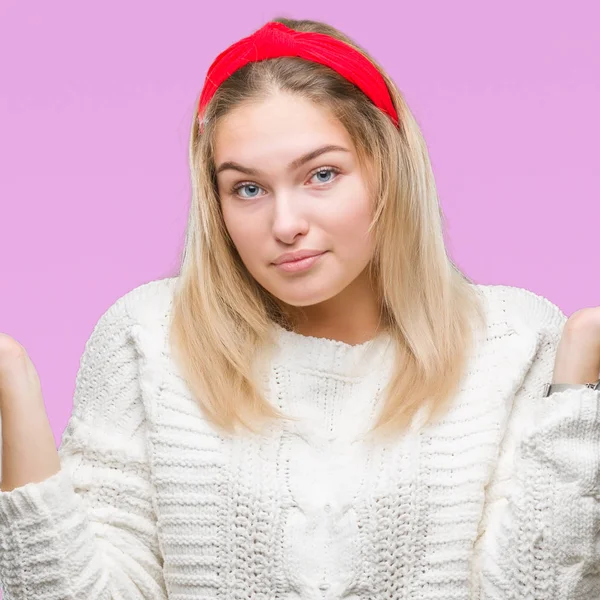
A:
(88, 531)
(540, 535)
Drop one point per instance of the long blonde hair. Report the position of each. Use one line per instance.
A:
(222, 321)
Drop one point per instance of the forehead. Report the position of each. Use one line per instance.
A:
(279, 125)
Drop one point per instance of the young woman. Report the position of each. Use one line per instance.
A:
(319, 405)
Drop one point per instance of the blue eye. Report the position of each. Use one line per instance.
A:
(328, 170)
(247, 185)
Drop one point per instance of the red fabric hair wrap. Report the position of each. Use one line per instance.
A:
(276, 39)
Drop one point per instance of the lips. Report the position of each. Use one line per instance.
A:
(301, 265)
(296, 256)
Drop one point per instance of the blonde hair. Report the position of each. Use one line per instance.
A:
(222, 321)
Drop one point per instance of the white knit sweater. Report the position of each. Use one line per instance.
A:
(501, 500)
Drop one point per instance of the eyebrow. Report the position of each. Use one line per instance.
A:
(295, 164)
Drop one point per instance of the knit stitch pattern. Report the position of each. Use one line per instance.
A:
(500, 499)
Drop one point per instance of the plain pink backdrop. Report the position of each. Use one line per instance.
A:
(96, 102)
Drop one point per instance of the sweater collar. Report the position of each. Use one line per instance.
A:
(328, 356)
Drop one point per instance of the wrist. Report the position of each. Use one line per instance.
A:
(575, 377)
(575, 368)
(577, 359)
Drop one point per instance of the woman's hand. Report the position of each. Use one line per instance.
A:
(29, 453)
(578, 354)
(19, 380)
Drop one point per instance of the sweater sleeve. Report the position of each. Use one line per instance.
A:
(89, 531)
(540, 533)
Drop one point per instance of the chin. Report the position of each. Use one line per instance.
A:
(302, 293)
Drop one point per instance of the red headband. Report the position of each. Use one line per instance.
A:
(275, 39)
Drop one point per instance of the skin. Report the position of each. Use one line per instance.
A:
(308, 207)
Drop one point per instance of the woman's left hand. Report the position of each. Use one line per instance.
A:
(578, 354)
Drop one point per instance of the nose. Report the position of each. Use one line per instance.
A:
(289, 221)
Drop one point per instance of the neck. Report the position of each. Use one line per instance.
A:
(352, 316)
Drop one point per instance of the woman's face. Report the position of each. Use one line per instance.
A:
(283, 190)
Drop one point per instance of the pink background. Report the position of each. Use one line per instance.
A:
(95, 108)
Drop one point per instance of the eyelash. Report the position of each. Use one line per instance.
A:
(243, 184)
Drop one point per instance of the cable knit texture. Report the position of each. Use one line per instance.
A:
(499, 500)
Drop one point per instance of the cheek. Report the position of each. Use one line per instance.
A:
(349, 225)
(242, 231)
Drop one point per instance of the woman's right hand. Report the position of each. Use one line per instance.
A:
(29, 453)
(19, 379)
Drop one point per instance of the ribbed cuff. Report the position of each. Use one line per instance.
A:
(566, 427)
(34, 500)
(40, 530)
